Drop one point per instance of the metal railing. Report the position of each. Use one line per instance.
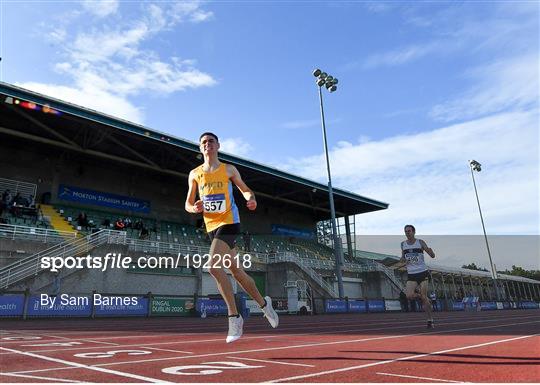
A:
(290, 257)
(390, 273)
(31, 265)
(27, 233)
(16, 186)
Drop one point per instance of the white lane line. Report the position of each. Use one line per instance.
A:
(420, 378)
(289, 379)
(40, 370)
(39, 378)
(272, 362)
(82, 366)
(38, 334)
(300, 346)
(280, 335)
(165, 350)
(100, 342)
(137, 336)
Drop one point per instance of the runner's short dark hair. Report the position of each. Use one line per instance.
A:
(411, 226)
(209, 133)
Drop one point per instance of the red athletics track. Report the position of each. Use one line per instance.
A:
(489, 346)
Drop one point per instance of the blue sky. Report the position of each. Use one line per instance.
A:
(424, 87)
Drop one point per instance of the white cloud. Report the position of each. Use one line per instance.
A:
(399, 56)
(377, 7)
(512, 82)
(191, 11)
(108, 61)
(505, 27)
(93, 98)
(100, 8)
(426, 179)
(236, 146)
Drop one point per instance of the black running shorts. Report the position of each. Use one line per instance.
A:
(418, 277)
(226, 233)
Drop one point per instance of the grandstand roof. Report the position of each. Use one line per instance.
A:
(91, 132)
(476, 273)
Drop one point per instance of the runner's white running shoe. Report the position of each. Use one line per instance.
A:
(270, 313)
(236, 325)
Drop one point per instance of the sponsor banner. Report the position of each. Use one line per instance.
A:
(109, 307)
(171, 306)
(98, 198)
(211, 306)
(513, 305)
(375, 305)
(357, 306)
(458, 306)
(528, 305)
(292, 231)
(254, 307)
(64, 305)
(336, 306)
(11, 305)
(506, 305)
(488, 305)
(500, 306)
(470, 300)
(392, 305)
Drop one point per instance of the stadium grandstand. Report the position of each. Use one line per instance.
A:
(76, 182)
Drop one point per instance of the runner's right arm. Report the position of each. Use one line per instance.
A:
(191, 205)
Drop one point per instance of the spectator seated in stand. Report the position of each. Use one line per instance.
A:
(82, 220)
(144, 233)
(119, 224)
(6, 199)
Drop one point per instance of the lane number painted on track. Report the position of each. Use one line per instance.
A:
(21, 338)
(207, 368)
(112, 353)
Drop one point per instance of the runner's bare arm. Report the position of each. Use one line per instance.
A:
(248, 194)
(399, 264)
(191, 205)
(427, 249)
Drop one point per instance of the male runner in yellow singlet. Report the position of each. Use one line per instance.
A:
(213, 181)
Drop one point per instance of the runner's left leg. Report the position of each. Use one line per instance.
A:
(247, 283)
(425, 300)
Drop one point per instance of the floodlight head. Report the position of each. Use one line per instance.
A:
(332, 89)
(323, 75)
(329, 79)
(335, 81)
(320, 82)
(317, 72)
(476, 166)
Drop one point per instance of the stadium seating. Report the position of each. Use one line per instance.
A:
(161, 231)
(24, 220)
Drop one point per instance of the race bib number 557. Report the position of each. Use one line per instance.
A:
(214, 203)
